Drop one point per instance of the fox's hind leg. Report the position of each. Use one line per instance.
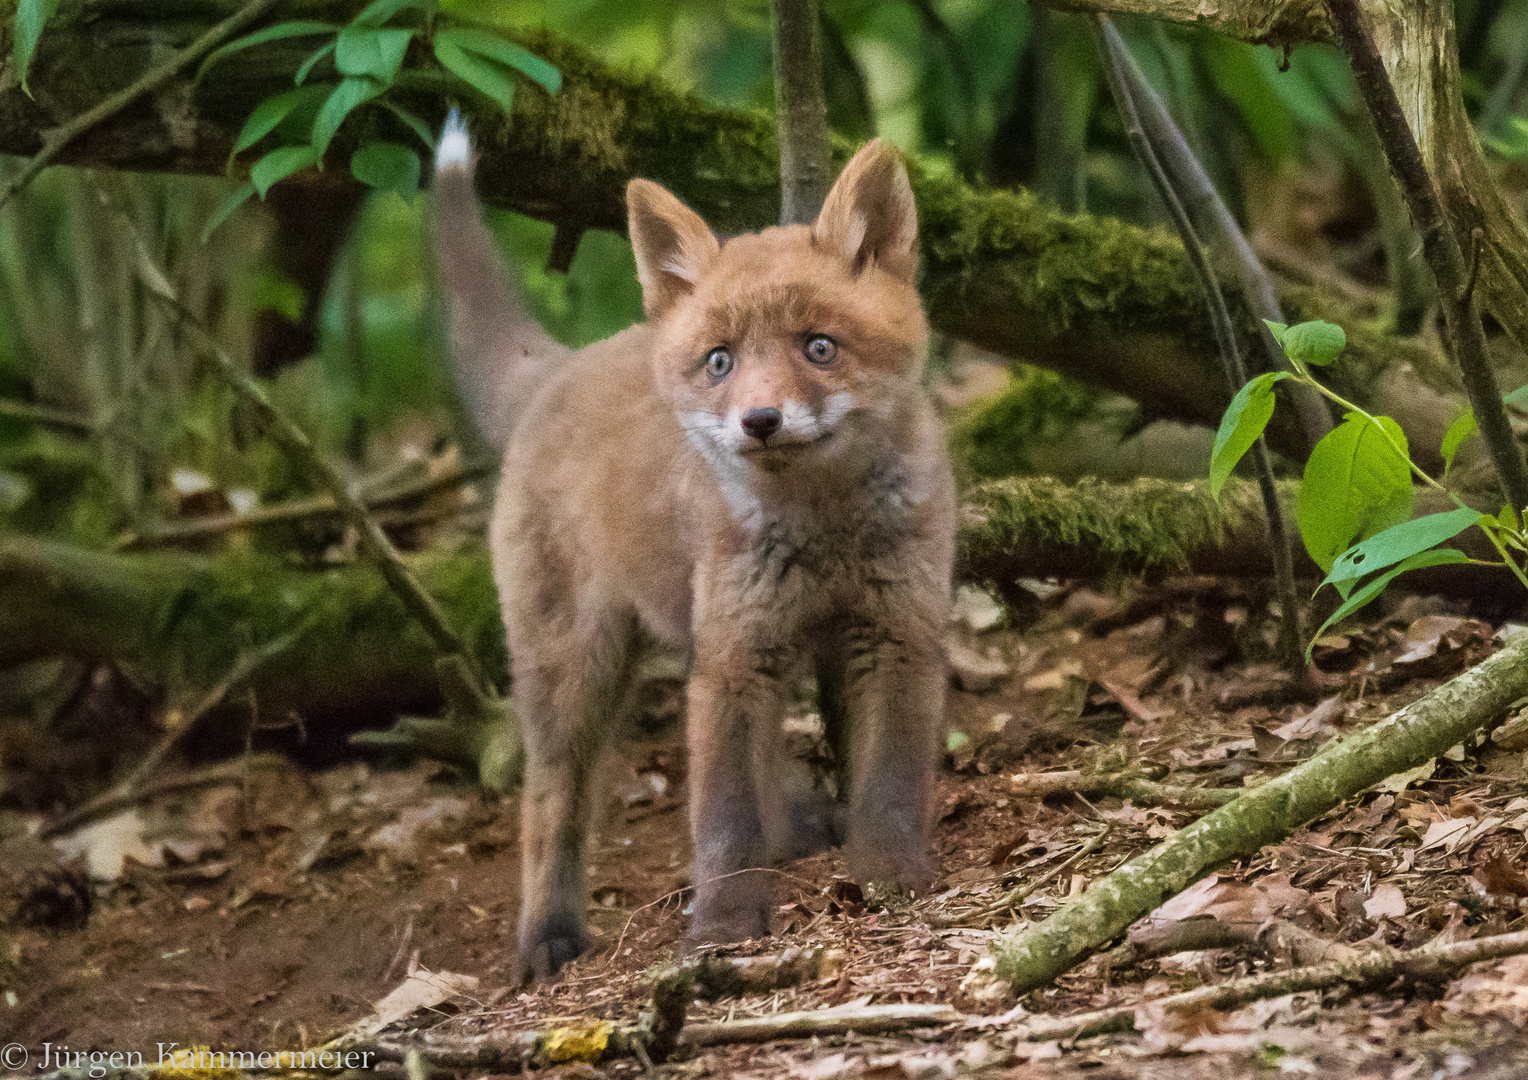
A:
(570, 689)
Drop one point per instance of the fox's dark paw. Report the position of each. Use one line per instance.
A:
(544, 949)
(731, 918)
(887, 872)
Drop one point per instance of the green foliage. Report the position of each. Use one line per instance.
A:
(368, 56)
(996, 437)
(1357, 483)
(30, 17)
(1461, 429)
(1316, 342)
(387, 166)
(1243, 424)
(1513, 143)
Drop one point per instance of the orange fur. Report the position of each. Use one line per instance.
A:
(634, 496)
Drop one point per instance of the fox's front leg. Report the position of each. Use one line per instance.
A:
(735, 702)
(894, 699)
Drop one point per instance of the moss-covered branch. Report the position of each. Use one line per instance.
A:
(1111, 304)
(1265, 814)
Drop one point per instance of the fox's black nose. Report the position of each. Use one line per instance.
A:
(761, 423)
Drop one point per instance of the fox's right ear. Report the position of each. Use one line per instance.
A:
(672, 244)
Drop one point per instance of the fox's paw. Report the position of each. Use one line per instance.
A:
(736, 913)
(546, 947)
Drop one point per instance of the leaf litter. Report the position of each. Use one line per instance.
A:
(303, 905)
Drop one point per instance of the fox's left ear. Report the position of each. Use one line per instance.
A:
(869, 216)
(672, 244)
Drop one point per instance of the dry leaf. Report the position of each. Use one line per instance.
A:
(421, 990)
(1388, 902)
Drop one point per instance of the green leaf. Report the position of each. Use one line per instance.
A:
(307, 65)
(1400, 542)
(378, 53)
(271, 112)
(1245, 418)
(504, 52)
(231, 202)
(388, 167)
(416, 125)
(484, 76)
(1435, 557)
(377, 13)
(1462, 428)
(31, 16)
(1355, 485)
(954, 740)
(280, 164)
(295, 28)
(1508, 518)
(1317, 343)
(346, 96)
(1276, 329)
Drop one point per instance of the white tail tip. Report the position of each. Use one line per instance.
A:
(454, 150)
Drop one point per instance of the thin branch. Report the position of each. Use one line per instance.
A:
(296, 510)
(296, 444)
(46, 416)
(801, 111)
(1214, 218)
(1225, 336)
(55, 141)
(1465, 335)
(1014, 897)
(1430, 963)
(1123, 785)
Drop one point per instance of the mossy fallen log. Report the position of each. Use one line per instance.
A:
(1266, 814)
(1108, 303)
(180, 622)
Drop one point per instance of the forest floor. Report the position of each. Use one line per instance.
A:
(277, 911)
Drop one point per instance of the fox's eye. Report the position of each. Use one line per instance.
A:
(820, 349)
(718, 363)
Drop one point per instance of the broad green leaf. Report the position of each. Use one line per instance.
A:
(378, 53)
(31, 16)
(1400, 542)
(1435, 557)
(505, 52)
(1317, 342)
(280, 164)
(1508, 518)
(1276, 329)
(346, 96)
(307, 65)
(954, 740)
(1245, 418)
(1355, 485)
(296, 28)
(272, 111)
(416, 125)
(484, 76)
(377, 13)
(387, 166)
(1462, 428)
(231, 202)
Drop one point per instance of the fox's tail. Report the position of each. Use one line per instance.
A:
(499, 354)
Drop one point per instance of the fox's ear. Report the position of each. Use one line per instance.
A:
(869, 216)
(672, 244)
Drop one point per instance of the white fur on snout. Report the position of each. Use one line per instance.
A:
(798, 421)
(835, 407)
(718, 439)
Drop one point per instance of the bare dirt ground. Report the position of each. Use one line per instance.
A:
(276, 910)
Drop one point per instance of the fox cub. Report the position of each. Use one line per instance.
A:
(756, 473)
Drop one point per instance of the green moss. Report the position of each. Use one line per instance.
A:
(1147, 525)
(995, 436)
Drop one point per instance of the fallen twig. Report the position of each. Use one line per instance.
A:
(295, 510)
(867, 1020)
(1261, 815)
(59, 138)
(1122, 785)
(1014, 897)
(1274, 938)
(1430, 963)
